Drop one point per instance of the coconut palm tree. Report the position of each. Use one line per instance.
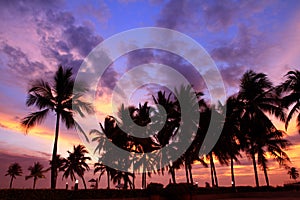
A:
(231, 140)
(258, 97)
(13, 171)
(273, 144)
(293, 172)
(59, 164)
(36, 171)
(57, 96)
(76, 163)
(101, 168)
(290, 89)
(117, 176)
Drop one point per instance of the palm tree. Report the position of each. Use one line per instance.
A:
(117, 176)
(291, 89)
(272, 143)
(231, 140)
(13, 171)
(258, 98)
(36, 172)
(76, 163)
(59, 164)
(101, 168)
(57, 96)
(293, 172)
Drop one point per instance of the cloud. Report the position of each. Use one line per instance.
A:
(60, 37)
(19, 8)
(179, 15)
(171, 60)
(198, 16)
(17, 64)
(100, 11)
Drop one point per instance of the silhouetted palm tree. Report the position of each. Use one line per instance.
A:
(273, 144)
(290, 89)
(76, 163)
(101, 168)
(258, 98)
(219, 151)
(59, 164)
(36, 171)
(231, 140)
(13, 171)
(293, 172)
(57, 96)
(117, 176)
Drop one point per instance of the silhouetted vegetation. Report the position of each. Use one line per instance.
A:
(247, 129)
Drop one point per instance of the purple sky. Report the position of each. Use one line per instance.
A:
(37, 36)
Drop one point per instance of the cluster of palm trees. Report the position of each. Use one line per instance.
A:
(247, 128)
(74, 164)
(36, 171)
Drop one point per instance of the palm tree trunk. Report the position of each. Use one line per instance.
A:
(266, 175)
(212, 174)
(190, 172)
(232, 174)
(215, 175)
(108, 178)
(125, 183)
(54, 153)
(133, 180)
(173, 175)
(213, 171)
(144, 177)
(11, 181)
(255, 169)
(82, 178)
(34, 182)
(186, 172)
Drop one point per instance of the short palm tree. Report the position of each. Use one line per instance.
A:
(101, 168)
(118, 175)
(13, 171)
(290, 89)
(293, 172)
(76, 163)
(273, 144)
(59, 97)
(36, 171)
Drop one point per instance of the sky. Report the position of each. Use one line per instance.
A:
(37, 36)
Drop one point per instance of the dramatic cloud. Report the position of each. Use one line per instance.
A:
(36, 36)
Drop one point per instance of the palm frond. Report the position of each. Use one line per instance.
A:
(34, 118)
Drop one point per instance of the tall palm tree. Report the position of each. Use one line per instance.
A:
(293, 172)
(57, 96)
(258, 97)
(36, 171)
(13, 171)
(219, 151)
(59, 164)
(290, 89)
(76, 163)
(231, 140)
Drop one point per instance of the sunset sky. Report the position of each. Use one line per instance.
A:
(36, 36)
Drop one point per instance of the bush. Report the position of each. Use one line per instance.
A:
(178, 191)
(154, 188)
